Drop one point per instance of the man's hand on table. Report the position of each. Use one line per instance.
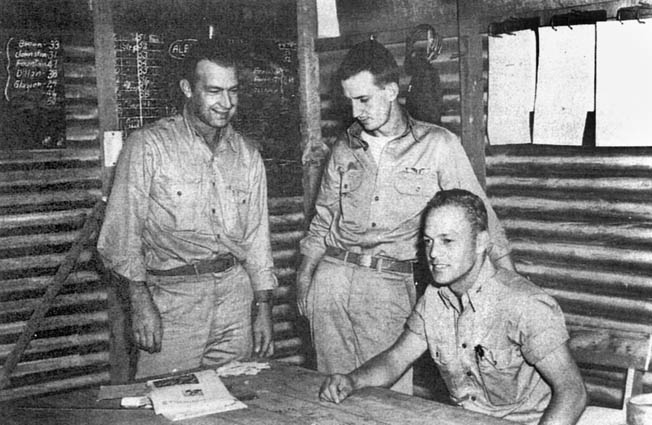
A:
(336, 388)
(145, 318)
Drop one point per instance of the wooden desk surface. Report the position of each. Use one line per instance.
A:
(285, 395)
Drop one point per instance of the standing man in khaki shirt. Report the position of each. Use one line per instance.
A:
(355, 283)
(187, 227)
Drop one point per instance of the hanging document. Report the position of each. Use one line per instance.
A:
(623, 110)
(565, 84)
(512, 79)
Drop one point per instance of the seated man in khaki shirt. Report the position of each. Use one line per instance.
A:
(499, 341)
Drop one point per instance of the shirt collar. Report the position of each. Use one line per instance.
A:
(226, 133)
(354, 132)
(474, 294)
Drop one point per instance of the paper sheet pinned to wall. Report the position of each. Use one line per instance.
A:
(327, 23)
(512, 79)
(565, 84)
(623, 110)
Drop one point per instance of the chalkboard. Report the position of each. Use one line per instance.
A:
(148, 72)
(32, 110)
(142, 62)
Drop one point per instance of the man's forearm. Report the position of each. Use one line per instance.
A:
(381, 371)
(566, 408)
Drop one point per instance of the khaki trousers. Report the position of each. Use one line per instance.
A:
(206, 321)
(355, 313)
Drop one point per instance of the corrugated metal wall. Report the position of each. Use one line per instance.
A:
(580, 223)
(44, 199)
(579, 219)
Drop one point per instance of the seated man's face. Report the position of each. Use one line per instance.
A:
(452, 249)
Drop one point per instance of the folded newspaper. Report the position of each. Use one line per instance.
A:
(191, 395)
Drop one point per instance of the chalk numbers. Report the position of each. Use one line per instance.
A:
(51, 94)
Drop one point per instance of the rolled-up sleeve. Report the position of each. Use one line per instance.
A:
(120, 243)
(456, 172)
(542, 329)
(259, 263)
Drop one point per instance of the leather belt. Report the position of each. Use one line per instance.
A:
(366, 260)
(216, 265)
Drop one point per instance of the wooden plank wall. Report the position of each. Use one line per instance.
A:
(579, 219)
(44, 199)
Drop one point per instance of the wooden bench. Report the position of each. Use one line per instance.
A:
(629, 349)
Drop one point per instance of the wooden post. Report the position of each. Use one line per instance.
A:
(471, 85)
(309, 101)
(105, 64)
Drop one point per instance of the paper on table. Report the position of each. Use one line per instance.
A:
(565, 84)
(623, 109)
(236, 368)
(512, 79)
(191, 395)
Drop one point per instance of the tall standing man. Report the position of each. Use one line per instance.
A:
(355, 283)
(499, 341)
(187, 227)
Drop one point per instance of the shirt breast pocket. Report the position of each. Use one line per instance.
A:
(414, 190)
(185, 203)
(236, 210)
(499, 370)
(352, 203)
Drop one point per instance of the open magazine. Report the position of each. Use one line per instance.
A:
(191, 395)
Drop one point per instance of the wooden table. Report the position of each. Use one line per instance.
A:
(284, 395)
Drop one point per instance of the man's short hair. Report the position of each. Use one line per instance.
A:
(370, 56)
(470, 203)
(220, 53)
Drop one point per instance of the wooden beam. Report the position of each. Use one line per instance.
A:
(309, 102)
(105, 64)
(471, 86)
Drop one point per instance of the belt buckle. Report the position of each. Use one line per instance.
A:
(365, 260)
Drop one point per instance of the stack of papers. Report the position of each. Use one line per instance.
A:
(191, 395)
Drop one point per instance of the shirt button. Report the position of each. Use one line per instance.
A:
(464, 345)
(179, 193)
(376, 198)
(472, 398)
(213, 210)
(373, 224)
(346, 186)
(213, 184)
(469, 373)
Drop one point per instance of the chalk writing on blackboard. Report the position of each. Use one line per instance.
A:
(141, 66)
(149, 69)
(32, 107)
